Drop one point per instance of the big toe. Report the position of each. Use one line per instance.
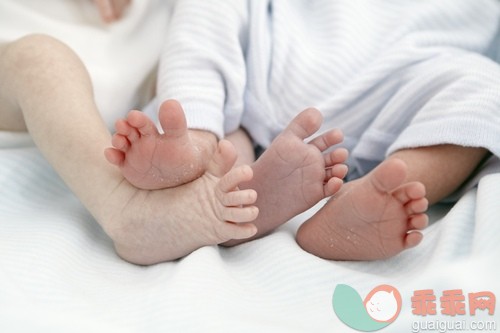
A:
(305, 123)
(172, 119)
(390, 174)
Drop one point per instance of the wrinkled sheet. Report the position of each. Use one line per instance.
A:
(58, 270)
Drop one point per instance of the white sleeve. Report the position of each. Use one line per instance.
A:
(203, 63)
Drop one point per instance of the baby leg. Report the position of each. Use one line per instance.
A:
(374, 217)
(152, 160)
(207, 211)
(47, 90)
(292, 175)
(379, 215)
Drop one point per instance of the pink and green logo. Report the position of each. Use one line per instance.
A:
(379, 308)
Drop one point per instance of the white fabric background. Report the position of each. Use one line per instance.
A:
(59, 273)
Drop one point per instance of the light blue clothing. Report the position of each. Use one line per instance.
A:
(390, 74)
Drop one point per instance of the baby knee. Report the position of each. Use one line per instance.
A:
(34, 48)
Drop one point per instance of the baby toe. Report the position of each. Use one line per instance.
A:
(416, 206)
(412, 239)
(418, 222)
(120, 142)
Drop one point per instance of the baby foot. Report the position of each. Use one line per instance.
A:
(150, 160)
(148, 227)
(291, 176)
(374, 217)
(228, 209)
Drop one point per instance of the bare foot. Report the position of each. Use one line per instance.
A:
(150, 160)
(148, 227)
(291, 176)
(374, 217)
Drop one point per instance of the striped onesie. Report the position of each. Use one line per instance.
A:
(390, 74)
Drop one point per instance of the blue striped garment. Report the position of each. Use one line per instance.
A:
(390, 74)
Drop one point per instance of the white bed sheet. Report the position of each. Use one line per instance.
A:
(58, 270)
